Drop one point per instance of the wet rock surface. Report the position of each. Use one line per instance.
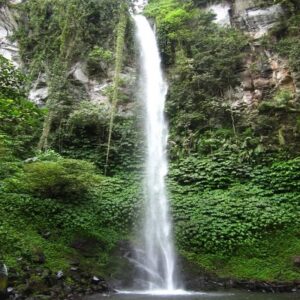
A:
(33, 280)
(207, 282)
(43, 284)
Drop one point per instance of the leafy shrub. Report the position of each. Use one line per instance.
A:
(280, 102)
(64, 179)
(281, 177)
(86, 136)
(28, 223)
(119, 201)
(99, 60)
(222, 221)
(12, 81)
(48, 155)
(221, 203)
(89, 114)
(212, 172)
(20, 122)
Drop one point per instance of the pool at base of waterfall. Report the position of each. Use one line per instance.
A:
(234, 295)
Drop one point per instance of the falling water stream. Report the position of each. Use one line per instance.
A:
(157, 257)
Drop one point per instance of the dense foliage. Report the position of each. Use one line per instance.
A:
(51, 204)
(228, 168)
(53, 37)
(53, 29)
(239, 212)
(20, 119)
(234, 178)
(202, 63)
(12, 81)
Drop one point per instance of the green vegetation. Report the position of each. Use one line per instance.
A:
(269, 259)
(99, 58)
(202, 63)
(12, 82)
(288, 45)
(84, 136)
(234, 219)
(234, 173)
(233, 178)
(55, 29)
(52, 202)
(19, 119)
(240, 214)
(53, 36)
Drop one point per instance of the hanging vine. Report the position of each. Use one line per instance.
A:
(57, 87)
(118, 68)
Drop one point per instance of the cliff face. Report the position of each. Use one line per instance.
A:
(267, 97)
(267, 77)
(263, 69)
(272, 71)
(8, 48)
(84, 85)
(268, 83)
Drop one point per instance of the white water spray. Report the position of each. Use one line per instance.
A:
(157, 259)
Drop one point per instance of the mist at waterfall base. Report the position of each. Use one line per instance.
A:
(207, 296)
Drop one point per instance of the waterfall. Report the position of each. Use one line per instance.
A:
(157, 258)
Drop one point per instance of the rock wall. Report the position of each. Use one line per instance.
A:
(268, 97)
(8, 48)
(264, 72)
(222, 12)
(97, 91)
(254, 20)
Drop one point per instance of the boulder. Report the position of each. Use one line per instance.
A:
(59, 274)
(95, 280)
